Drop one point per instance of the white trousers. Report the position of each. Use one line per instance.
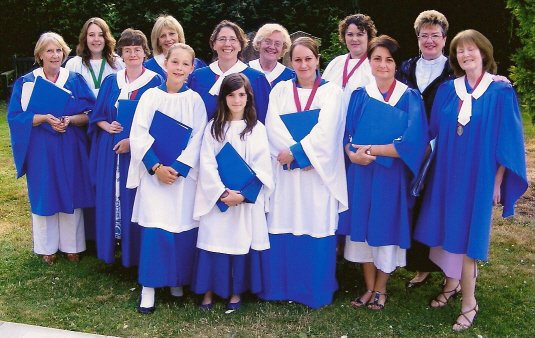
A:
(385, 258)
(64, 232)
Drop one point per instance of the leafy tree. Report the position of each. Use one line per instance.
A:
(523, 70)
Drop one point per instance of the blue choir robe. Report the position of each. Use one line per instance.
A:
(203, 79)
(278, 74)
(379, 197)
(457, 207)
(156, 65)
(103, 173)
(56, 165)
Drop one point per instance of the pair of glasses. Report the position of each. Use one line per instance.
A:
(224, 40)
(135, 51)
(269, 42)
(433, 37)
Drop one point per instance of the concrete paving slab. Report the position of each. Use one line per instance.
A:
(14, 330)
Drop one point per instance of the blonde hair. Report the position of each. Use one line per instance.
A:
(268, 29)
(183, 46)
(431, 18)
(170, 22)
(44, 40)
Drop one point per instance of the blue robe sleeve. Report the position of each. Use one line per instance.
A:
(20, 125)
(411, 148)
(84, 96)
(181, 168)
(261, 89)
(101, 111)
(510, 151)
(300, 156)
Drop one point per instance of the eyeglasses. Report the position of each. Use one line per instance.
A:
(433, 37)
(224, 40)
(269, 42)
(134, 51)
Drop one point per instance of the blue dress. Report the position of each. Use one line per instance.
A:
(103, 169)
(379, 198)
(56, 165)
(204, 78)
(457, 207)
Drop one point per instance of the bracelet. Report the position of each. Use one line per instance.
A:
(158, 168)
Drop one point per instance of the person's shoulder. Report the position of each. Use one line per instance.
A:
(253, 74)
(74, 63)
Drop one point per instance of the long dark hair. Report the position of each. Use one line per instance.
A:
(109, 43)
(223, 114)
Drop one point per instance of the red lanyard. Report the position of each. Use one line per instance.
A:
(310, 98)
(390, 91)
(346, 76)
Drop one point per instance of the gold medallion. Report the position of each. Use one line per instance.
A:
(459, 130)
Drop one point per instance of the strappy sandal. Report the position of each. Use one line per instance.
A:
(358, 302)
(376, 301)
(462, 326)
(447, 295)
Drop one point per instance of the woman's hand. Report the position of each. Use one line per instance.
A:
(360, 156)
(500, 78)
(285, 157)
(496, 198)
(232, 197)
(55, 123)
(114, 128)
(122, 147)
(310, 167)
(165, 174)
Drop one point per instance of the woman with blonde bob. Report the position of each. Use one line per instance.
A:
(272, 41)
(166, 32)
(95, 58)
(51, 150)
(479, 162)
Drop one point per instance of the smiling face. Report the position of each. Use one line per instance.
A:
(236, 102)
(52, 55)
(431, 41)
(271, 47)
(382, 64)
(167, 38)
(133, 56)
(179, 65)
(469, 58)
(95, 40)
(227, 46)
(304, 63)
(356, 41)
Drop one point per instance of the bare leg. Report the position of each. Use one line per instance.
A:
(380, 286)
(451, 289)
(235, 298)
(420, 276)
(370, 272)
(207, 298)
(469, 304)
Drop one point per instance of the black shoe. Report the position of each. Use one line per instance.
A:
(145, 310)
(413, 285)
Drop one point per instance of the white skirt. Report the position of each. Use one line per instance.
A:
(385, 258)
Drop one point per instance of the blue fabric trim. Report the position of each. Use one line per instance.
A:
(250, 193)
(150, 159)
(163, 87)
(183, 169)
(300, 156)
(322, 82)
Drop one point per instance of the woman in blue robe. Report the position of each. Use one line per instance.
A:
(272, 41)
(114, 211)
(479, 161)
(228, 41)
(51, 150)
(166, 32)
(390, 118)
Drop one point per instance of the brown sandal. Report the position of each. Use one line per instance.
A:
(49, 259)
(462, 326)
(452, 294)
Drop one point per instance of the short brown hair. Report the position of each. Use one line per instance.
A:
(240, 35)
(471, 36)
(362, 21)
(308, 43)
(132, 37)
(431, 18)
(388, 43)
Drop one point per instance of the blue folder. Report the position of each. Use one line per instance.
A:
(380, 123)
(170, 137)
(47, 98)
(299, 125)
(125, 115)
(236, 174)
(419, 181)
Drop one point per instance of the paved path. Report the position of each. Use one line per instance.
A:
(14, 330)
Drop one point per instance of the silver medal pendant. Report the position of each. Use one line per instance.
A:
(459, 130)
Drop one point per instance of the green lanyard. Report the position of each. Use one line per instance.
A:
(99, 81)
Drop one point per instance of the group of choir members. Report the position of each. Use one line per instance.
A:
(348, 181)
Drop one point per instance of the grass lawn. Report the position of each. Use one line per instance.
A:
(95, 297)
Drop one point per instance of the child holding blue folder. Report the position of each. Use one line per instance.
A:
(163, 205)
(232, 243)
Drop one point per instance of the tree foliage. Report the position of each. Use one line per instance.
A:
(523, 70)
